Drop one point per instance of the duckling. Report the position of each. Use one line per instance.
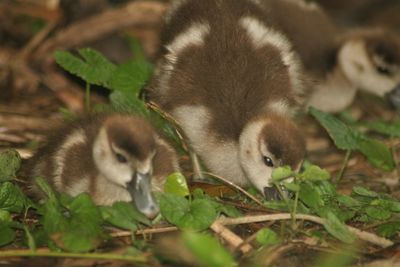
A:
(233, 83)
(113, 157)
(338, 62)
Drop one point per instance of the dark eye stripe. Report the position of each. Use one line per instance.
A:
(121, 158)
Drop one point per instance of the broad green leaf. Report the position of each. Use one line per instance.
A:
(315, 173)
(12, 198)
(378, 213)
(267, 237)
(348, 201)
(362, 191)
(10, 162)
(310, 196)
(7, 234)
(123, 215)
(325, 188)
(207, 250)
(281, 173)
(377, 153)
(388, 128)
(388, 229)
(197, 215)
(5, 216)
(130, 77)
(228, 210)
(342, 135)
(291, 186)
(93, 67)
(127, 102)
(176, 184)
(336, 228)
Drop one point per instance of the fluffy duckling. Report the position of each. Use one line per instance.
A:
(233, 82)
(340, 62)
(113, 157)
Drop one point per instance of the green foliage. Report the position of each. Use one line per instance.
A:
(10, 162)
(207, 250)
(12, 198)
(7, 234)
(267, 237)
(176, 184)
(347, 138)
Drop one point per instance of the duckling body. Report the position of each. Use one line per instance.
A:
(233, 83)
(338, 62)
(112, 157)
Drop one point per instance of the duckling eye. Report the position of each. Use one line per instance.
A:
(268, 161)
(121, 158)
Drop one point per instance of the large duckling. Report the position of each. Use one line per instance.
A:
(113, 157)
(340, 62)
(233, 83)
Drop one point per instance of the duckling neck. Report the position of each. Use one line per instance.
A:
(333, 94)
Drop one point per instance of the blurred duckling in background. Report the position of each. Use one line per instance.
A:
(113, 157)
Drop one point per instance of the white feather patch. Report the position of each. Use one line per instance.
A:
(262, 36)
(76, 137)
(173, 8)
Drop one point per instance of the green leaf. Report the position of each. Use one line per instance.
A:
(388, 229)
(378, 213)
(130, 77)
(176, 184)
(123, 215)
(310, 196)
(281, 173)
(315, 173)
(207, 250)
(93, 67)
(228, 210)
(30, 239)
(336, 228)
(12, 198)
(388, 128)
(362, 191)
(342, 135)
(127, 102)
(5, 216)
(377, 153)
(7, 235)
(292, 186)
(348, 201)
(197, 215)
(10, 162)
(267, 237)
(45, 187)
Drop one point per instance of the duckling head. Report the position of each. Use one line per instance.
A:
(123, 152)
(370, 60)
(268, 142)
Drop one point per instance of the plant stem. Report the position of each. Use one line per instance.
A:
(344, 165)
(296, 202)
(87, 98)
(47, 253)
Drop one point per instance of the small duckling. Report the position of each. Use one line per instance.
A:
(338, 61)
(233, 82)
(113, 157)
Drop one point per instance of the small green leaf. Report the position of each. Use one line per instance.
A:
(5, 216)
(197, 215)
(267, 237)
(291, 186)
(127, 102)
(176, 184)
(281, 173)
(7, 235)
(93, 67)
(342, 135)
(12, 198)
(46, 188)
(315, 173)
(336, 228)
(378, 213)
(207, 250)
(388, 128)
(348, 201)
(388, 229)
(123, 215)
(377, 153)
(362, 191)
(310, 196)
(29, 237)
(10, 162)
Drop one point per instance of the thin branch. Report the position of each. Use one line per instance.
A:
(366, 236)
(234, 240)
(236, 187)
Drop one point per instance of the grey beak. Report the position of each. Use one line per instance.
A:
(272, 193)
(140, 189)
(394, 97)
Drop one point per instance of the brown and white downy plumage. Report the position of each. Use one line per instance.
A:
(233, 82)
(113, 157)
(340, 62)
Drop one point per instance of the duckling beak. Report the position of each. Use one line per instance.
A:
(272, 193)
(394, 97)
(140, 189)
